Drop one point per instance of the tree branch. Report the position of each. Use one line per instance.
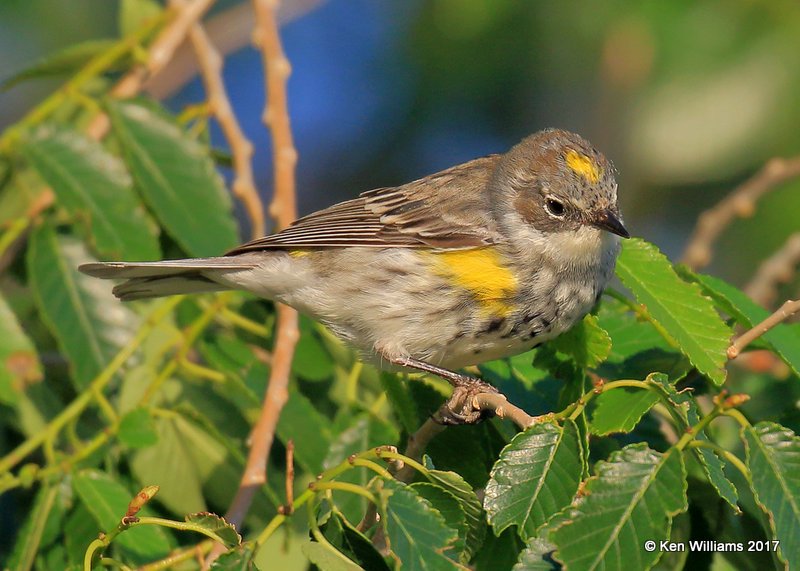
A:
(785, 311)
(243, 187)
(778, 268)
(159, 54)
(282, 209)
(741, 202)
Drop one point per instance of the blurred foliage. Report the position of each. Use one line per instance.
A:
(99, 400)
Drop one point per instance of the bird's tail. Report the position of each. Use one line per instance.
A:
(170, 277)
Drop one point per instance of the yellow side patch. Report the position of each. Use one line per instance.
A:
(480, 271)
(583, 165)
(299, 253)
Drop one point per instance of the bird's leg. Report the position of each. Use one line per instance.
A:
(458, 409)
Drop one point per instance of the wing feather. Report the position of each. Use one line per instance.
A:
(448, 209)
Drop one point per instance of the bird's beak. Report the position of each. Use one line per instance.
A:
(609, 220)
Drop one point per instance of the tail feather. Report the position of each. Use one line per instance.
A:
(129, 270)
(144, 288)
(170, 277)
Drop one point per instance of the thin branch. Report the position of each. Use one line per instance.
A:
(243, 187)
(741, 202)
(777, 269)
(159, 54)
(229, 30)
(282, 209)
(287, 507)
(785, 311)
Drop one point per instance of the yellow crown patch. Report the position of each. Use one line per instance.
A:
(583, 165)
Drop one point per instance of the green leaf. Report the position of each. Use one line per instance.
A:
(403, 405)
(632, 497)
(535, 556)
(66, 60)
(218, 526)
(301, 422)
(620, 410)
(88, 322)
(587, 343)
(773, 456)
(470, 504)
(326, 558)
(535, 477)
(107, 500)
(637, 349)
(354, 544)
(712, 465)
(134, 13)
(95, 189)
(783, 338)
(311, 360)
(416, 533)
(178, 463)
(363, 432)
(19, 363)
(450, 509)
(30, 534)
(176, 176)
(237, 559)
(137, 429)
(686, 315)
(498, 553)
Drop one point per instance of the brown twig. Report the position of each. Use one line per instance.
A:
(778, 268)
(282, 209)
(497, 403)
(243, 187)
(287, 508)
(785, 311)
(159, 55)
(741, 202)
(229, 30)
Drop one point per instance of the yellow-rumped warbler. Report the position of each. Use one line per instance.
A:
(480, 261)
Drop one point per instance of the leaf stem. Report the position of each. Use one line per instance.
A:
(92, 69)
(642, 313)
(729, 456)
(83, 400)
(344, 487)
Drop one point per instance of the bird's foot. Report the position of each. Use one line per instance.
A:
(460, 407)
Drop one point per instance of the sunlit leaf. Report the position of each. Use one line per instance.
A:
(773, 456)
(633, 497)
(86, 319)
(620, 410)
(535, 477)
(96, 190)
(177, 178)
(687, 316)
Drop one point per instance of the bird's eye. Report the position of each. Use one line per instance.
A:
(554, 207)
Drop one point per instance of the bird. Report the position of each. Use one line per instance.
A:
(483, 260)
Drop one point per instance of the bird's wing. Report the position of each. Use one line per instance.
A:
(449, 209)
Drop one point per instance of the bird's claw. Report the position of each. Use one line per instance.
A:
(460, 407)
